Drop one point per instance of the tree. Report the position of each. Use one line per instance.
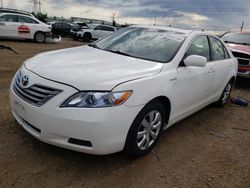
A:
(114, 23)
(40, 16)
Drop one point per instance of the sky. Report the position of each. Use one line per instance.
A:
(206, 14)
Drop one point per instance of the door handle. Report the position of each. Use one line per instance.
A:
(211, 71)
(173, 79)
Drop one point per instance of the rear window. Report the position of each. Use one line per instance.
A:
(24, 19)
(145, 43)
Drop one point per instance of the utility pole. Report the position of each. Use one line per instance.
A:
(113, 19)
(12, 4)
(1, 4)
(241, 28)
(37, 6)
(155, 21)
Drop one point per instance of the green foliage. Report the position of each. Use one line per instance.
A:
(40, 16)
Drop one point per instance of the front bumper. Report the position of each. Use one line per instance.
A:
(97, 131)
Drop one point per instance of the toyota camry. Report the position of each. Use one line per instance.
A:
(119, 93)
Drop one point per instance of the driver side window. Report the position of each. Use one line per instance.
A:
(199, 46)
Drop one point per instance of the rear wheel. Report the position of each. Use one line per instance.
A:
(146, 129)
(225, 94)
(39, 37)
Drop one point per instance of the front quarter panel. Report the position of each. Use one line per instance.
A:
(148, 88)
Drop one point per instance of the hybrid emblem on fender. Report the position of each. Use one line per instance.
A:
(25, 80)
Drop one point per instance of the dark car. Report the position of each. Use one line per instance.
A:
(63, 28)
(239, 43)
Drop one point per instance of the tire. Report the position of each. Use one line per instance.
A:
(39, 37)
(146, 129)
(225, 94)
(87, 37)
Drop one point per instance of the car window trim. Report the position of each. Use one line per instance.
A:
(224, 48)
(16, 17)
(199, 35)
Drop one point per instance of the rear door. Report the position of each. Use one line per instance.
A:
(27, 27)
(221, 63)
(106, 30)
(97, 32)
(8, 26)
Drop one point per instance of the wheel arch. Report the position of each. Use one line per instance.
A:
(165, 101)
(87, 33)
(39, 31)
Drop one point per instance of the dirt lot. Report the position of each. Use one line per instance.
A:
(188, 155)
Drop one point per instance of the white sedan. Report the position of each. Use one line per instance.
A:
(23, 26)
(120, 92)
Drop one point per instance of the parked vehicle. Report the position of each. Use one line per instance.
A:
(239, 43)
(21, 25)
(63, 28)
(94, 31)
(120, 92)
(80, 26)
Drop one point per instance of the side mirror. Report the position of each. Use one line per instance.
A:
(196, 61)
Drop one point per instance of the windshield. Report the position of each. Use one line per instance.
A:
(145, 43)
(238, 38)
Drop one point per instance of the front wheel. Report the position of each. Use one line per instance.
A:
(225, 94)
(39, 37)
(145, 131)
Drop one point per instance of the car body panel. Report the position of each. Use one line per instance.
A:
(187, 88)
(102, 74)
(21, 30)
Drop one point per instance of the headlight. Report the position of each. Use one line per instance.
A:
(97, 99)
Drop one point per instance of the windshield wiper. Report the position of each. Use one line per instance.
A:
(119, 52)
(93, 45)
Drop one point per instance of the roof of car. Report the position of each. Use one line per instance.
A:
(238, 32)
(14, 11)
(166, 28)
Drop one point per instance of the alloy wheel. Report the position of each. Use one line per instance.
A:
(226, 93)
(149, 130)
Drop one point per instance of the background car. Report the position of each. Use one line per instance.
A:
(80, 26)
(239, 43)
(21, 25)
(63, 28)
(95, 31)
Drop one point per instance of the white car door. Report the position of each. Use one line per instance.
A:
(27, 27)
(106, 30)
(96, 34)
(192, 85)
(8, 26)
(222, 64)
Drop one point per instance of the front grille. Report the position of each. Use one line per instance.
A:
(243, 59)
(36, 94)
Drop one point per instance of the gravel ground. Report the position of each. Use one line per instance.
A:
(208, 149)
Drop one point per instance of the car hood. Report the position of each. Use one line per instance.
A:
(87, 68)
(239, 48)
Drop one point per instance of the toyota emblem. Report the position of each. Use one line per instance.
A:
(25, 80)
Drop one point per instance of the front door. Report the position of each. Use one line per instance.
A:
(193, 85)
